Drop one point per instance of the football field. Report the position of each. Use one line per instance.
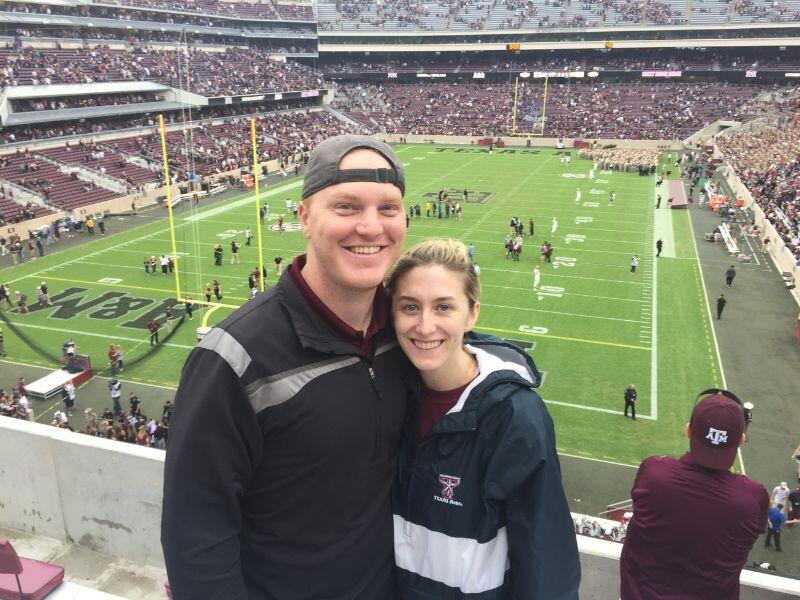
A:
(592, 328)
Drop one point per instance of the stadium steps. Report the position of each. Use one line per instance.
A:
(85, 173)
(22, 194)
(343, 117)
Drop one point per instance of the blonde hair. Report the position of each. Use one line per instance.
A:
(450, 254)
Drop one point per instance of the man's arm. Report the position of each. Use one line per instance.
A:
(214, 442)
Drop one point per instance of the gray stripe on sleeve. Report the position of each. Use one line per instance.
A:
(223, 343)
(386, 347)
(271, 391)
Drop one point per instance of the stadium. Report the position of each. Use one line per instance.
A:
(152, 158)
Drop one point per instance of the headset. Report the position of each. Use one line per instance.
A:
(713, 391)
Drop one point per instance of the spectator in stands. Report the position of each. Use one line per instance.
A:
(695, 498)
(209, 469)
(497, 437)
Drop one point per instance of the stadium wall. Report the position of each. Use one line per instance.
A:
(106, 496)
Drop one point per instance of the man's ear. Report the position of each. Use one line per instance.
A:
(303, 211)
(688, 431)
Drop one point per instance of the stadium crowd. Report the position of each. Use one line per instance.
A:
(539, 14)
(51, 130)
(234, 71)
(62, 102)
(623, 159)
(767, 160)
(597, 110)
(137, 37)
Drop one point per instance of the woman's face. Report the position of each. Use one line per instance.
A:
(431, 314)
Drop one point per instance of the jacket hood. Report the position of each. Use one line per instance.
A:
(499, 363)
(507, 352)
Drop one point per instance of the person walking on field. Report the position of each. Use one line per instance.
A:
(634, 263)
(630, 400)
(554, 227)
(721, 302)
(234, 252)
(537, 277)
(659, 247)
(729, 275)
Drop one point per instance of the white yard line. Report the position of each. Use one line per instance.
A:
(654, 332)
(141, 268)
(528, 274)
(95, 253)
(600, 460)
(711, 325)
(530, 289)
(74, 332)
(555, 312)
(594, 408)
(227, 206)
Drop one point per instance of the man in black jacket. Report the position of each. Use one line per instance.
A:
(630, 400)
(285, 431)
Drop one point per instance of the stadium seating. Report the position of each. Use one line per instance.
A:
(59, 189)
(767, 160)
(102, 158)
(235, 71)
(605, 110)
(254, 10)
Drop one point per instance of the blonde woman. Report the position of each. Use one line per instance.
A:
(479, 506)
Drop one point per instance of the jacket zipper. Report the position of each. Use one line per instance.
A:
(378, 427)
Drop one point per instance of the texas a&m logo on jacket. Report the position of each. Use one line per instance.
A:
(449, 484)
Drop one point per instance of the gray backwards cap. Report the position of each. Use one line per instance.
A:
(323, 166)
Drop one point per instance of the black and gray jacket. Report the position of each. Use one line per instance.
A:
(283, 450)
(480, 511)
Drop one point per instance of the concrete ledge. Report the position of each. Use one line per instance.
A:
(100, 494)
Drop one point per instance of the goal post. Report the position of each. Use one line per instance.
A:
(530, 108)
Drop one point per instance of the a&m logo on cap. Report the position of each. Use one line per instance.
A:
(717, 436)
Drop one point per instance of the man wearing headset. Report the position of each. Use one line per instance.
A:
(694, 522)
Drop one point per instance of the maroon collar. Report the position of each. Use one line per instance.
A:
(360, 339)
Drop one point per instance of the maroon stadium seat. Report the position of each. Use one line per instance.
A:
(32, 579)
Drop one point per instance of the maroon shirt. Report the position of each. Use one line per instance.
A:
(691, 531)
(434, 405)
(359, 339)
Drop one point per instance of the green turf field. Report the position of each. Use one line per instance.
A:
(593, 328)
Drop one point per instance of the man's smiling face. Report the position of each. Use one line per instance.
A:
(355, 230)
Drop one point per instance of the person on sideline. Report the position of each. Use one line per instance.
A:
(285, 432)
(479, 505)
(630, 400)
(694, 497)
